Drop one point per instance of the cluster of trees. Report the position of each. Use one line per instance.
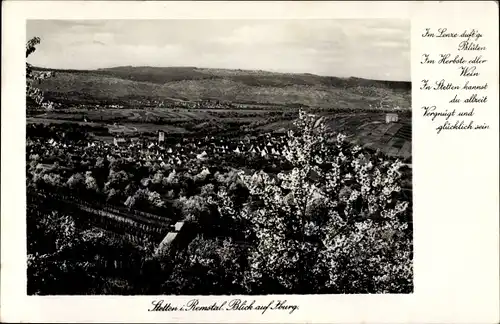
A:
(121, 181)
(338, 219)
(335, 221)
(64, 259)
(33, 94)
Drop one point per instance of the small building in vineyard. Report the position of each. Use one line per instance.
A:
(391, 118)
(119, 141)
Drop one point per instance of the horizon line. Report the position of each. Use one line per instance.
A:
(215, 68)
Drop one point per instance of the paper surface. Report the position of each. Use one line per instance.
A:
(455, 169)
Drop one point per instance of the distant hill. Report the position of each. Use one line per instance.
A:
(241, 86)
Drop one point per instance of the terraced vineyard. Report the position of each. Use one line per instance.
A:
(370, 130)
(134, 225)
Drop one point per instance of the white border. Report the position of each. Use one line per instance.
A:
(455, 179)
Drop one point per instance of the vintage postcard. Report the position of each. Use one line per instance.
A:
(320, 162)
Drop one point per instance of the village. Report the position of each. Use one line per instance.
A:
(58, 157)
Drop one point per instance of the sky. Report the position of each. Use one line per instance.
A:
(374, 49)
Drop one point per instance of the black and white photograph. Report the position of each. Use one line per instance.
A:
(219, 157)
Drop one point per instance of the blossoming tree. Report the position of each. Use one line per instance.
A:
(336, 222)
(33, 77)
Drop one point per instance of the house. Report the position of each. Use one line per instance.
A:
(166, 242)
(118, 140)
(178, 226)
(391, 118)
(202, 156)
(179, 236)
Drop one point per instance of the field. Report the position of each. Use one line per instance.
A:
(186, 101)
(153, 115)
(123, 84)
(371, 131)
(368, 129)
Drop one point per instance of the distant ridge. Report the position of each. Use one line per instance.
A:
(192, 83)
(191, 71)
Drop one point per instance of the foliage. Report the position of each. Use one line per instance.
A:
(210, 266)
(327, 217)
(33, 77)
(52, 238)
(359, 242)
